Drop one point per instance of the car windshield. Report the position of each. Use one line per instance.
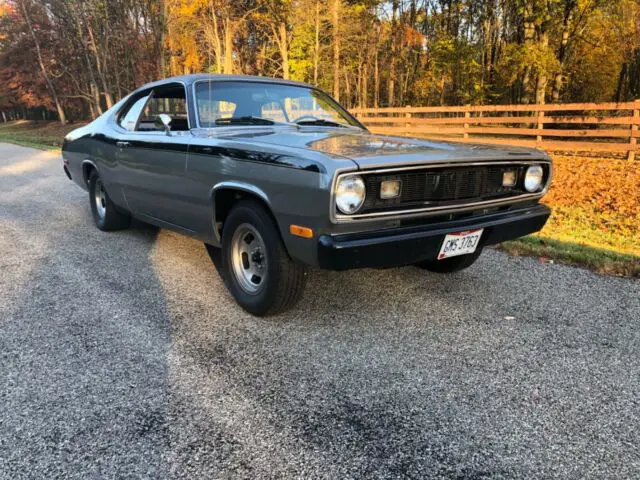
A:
(223, 103)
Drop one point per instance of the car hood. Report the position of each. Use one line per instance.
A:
(372, 151)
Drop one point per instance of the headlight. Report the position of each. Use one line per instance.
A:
(350, 194)
(533, 178)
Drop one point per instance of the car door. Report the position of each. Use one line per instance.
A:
(151, 162)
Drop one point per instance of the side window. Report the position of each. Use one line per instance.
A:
(169, 100)
(129, 119)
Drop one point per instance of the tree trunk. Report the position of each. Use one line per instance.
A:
(93, 84)
(96, 96)
(162, 61)
(347, 85)
(621, 81)
(105, 87)
(391, 84)
(284, 49)
(558, 81)
(529, 32)
(316, 46)
(217, 45)
(228, 46)
(4, 117)
(365, 86)
(358, 101)
(52, 90)
(562, 53)
(335, 21)
(543, 78)
(92, 110)
(376, 82)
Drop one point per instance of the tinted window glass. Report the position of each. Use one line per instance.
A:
(171, 101)
(217, 101)
(211, 110)
(130, 118)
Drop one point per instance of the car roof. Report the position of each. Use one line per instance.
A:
(189, 80)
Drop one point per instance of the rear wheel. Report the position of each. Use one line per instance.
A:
(254, 263)
(450, 265)
(105, 214)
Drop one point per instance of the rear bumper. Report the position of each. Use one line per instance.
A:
(408, 245)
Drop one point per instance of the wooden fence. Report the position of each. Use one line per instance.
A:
(571, 127)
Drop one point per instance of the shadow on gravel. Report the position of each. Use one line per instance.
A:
(84, 342)
(316, 390)
(393, 373)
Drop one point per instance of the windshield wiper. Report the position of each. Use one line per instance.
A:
(244, 120)
(321, 122)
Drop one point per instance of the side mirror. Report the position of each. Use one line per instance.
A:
(163, 121)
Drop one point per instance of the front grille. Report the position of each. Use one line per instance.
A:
(442, 186)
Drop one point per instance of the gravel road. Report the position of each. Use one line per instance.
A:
(121, 355)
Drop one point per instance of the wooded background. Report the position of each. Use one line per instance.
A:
(72, 59)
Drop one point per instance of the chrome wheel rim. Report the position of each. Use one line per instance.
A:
(249, 259)
(100, 199)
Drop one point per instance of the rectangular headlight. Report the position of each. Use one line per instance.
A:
(509, 178)
(390, 189)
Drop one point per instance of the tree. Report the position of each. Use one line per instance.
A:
(43, 68)
(90, 53)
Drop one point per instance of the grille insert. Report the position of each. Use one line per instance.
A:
(443, 186)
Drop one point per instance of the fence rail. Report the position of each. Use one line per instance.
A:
(575, 127)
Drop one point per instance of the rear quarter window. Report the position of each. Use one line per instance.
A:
(130, 115)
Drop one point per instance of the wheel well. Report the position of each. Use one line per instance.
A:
(87, 168)
(224, 200)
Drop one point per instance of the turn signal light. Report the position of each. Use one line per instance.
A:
(299, 231)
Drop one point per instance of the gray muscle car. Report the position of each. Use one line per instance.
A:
(275, 176)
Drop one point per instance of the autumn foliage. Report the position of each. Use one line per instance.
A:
(603, 194)
(77, 57)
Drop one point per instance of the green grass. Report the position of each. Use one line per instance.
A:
(38, 143)
(578, 225)
(41, 135)
(576, 236)
(597, 259)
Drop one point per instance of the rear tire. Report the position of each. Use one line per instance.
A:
(450, 265)
(254, 264)
(105, 214)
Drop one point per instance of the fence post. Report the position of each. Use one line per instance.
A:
(540, 126)
(467, 114)
(633, 139)
(407, 123)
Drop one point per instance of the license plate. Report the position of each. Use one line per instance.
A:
(460, 243)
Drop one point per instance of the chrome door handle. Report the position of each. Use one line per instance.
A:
(122, 144)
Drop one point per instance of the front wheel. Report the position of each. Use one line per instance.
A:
(254, 264)
(450, 265)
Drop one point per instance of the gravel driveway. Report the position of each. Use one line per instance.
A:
(121, 355)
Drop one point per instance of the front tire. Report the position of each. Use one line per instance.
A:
(450, 265)
(105, 214)
(254, 263)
